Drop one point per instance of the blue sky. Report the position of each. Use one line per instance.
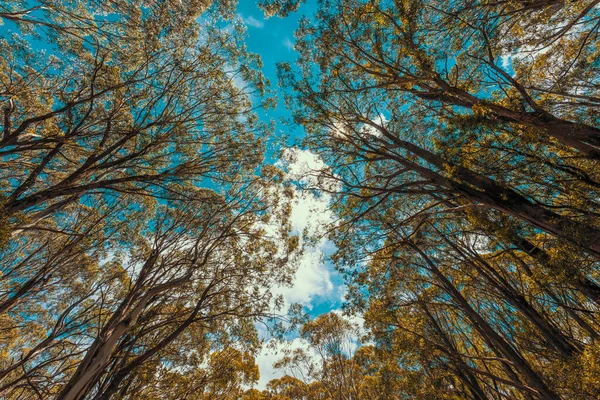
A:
(317, 285)
(272, 38)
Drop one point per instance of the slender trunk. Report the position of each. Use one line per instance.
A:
(122, 373)
(552, 335)
(589, 288)
(98, 355)
(463, 373)
(569, 310)
(494, 340)
(582, 283)
(483, 190)
(25, 289)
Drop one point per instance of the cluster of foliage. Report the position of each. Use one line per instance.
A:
(138, 241)
(331, 366)
(465, 140)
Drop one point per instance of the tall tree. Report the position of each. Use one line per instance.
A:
(464, 142)
(145, 103)
(139, 238)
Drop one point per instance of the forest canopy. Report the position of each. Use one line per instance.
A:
(145, 229)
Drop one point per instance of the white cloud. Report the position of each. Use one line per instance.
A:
(287, 42)
(308, 169)
(380, 120)
(251, 21)
(342, 292)
(310, 215)
(265, 361)
(300, 164)
(272, 352)
(506, 61)
(312, 279)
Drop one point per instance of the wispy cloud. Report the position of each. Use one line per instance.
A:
(251, 21)
(312, 282)
(287, 42)
(309, 214)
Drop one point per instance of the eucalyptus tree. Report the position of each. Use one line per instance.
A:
(142, 102)
(174, 307)
(139, 235)
(201, 281)
(403, 61)
(464, 142)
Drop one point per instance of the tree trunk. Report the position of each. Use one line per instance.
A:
(483, 190)
(462, 371)
(552, 335)
(539, 388)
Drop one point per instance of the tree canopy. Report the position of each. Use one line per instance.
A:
(464, 139)
(140, 232)
(144, 229)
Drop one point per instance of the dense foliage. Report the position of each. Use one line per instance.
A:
(464, 137)
(135, 259)
(141, 233)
